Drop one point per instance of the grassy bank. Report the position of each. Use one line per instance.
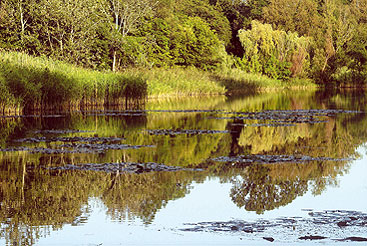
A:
(191, 81)
(38, 83)
(29, 83)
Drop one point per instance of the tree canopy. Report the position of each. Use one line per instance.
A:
(324, 40)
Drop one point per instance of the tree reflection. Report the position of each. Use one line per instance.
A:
(141, 196)
(256, 190)
(35, 201)
(235, 129)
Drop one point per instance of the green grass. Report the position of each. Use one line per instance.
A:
(237, 81)
(38, 83)
(178, 82)
(191, 81)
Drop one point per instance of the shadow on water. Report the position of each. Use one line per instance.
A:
(39, 193)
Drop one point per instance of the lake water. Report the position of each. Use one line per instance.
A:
(284, 167)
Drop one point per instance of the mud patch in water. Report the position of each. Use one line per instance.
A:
(292, 229)
(182, 131)
(267, 159)
(66, 131)
(126, 167)
(287, 117)
(77, 148)
(69, 139)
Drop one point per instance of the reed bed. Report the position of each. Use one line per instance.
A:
(164, 82)
(38, 83)
(237, 81)
(178, 82)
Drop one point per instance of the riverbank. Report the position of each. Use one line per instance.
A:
(190, 81)
(38, 83)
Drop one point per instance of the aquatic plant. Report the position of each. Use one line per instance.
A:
(39, 83)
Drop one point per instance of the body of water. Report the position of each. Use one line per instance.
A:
(287, 168)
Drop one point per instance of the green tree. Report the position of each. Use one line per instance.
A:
(16, 17)
(197, 45)
(216, 20)
(124, 16)
(274, 52)
(236, 12)
(67, 28)
(299, 16)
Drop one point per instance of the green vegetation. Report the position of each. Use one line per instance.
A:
(170, 41)
(192, 81)
(40, 83)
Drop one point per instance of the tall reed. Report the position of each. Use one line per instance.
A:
(192, 81)
(39, 83)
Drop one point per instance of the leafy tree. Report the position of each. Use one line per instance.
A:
(124, 16)
(199, 46)
(299, 16)
(15, 21)
(236, 12)
(255, 9)
(188, 41)
(216, 20)
(274, 52)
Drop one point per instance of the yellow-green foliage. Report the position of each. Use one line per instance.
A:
(39, 83)
(28, 82)
(178, 82)
(276, 53)
(191, 81)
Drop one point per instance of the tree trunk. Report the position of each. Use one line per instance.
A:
(114, 61)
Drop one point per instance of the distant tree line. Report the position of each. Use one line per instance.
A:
(325, 40)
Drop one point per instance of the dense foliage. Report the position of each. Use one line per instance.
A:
(283, 39)
(28, 84)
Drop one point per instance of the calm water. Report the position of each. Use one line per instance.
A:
(279, 165)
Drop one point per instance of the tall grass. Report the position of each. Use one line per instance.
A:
(178, 82)
(191, 81)
(39, 83)
(237, 81)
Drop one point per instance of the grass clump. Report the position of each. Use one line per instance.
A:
(39, 83)
(237, 81)
(191, 81)
(178, 82)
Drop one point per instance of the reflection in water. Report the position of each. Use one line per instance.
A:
(35, 199)
(235, 129)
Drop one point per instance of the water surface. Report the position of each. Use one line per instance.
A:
(194, 171)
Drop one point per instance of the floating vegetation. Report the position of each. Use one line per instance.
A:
(32, 116)
(341, 218)
(315, 112)
(264, 124)
(187, 111)
(69, 139)
(127, 167)
(291, 228)
(182, 131)
(66, 131)
(137, 114)
(109, 112)
(267, 159)
(287, 117)
(77, 148)
(102, 147)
